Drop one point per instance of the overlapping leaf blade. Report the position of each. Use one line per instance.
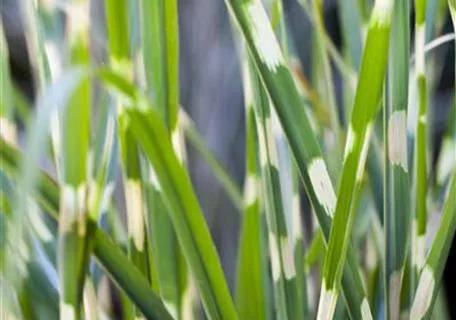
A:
(280, 86)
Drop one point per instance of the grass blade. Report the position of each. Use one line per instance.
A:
(330, 100)
(353, 38)
(103, 159)
(432, 272)
(302, 298)
(351, 27)
(251, 285)
(184, 211)
(366, 105)
(74, 236)
(420, 174)
(289, 180)
(280, 243)
(446, 160)
(397, 217)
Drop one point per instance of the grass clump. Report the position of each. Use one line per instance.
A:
(362, 162)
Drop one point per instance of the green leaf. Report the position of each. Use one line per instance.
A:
(366, 105)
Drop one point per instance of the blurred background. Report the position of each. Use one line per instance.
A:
(211, 92)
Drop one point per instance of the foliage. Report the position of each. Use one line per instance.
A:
(363, 163)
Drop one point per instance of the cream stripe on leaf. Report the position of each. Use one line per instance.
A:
(424, 294)
(265, 41)
(397, 140)
(321, 182)
(365, 311)
(366, 105)
(134, 203)
(251, 190)
(286, 101)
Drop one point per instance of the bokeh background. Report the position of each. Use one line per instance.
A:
(211, 92)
